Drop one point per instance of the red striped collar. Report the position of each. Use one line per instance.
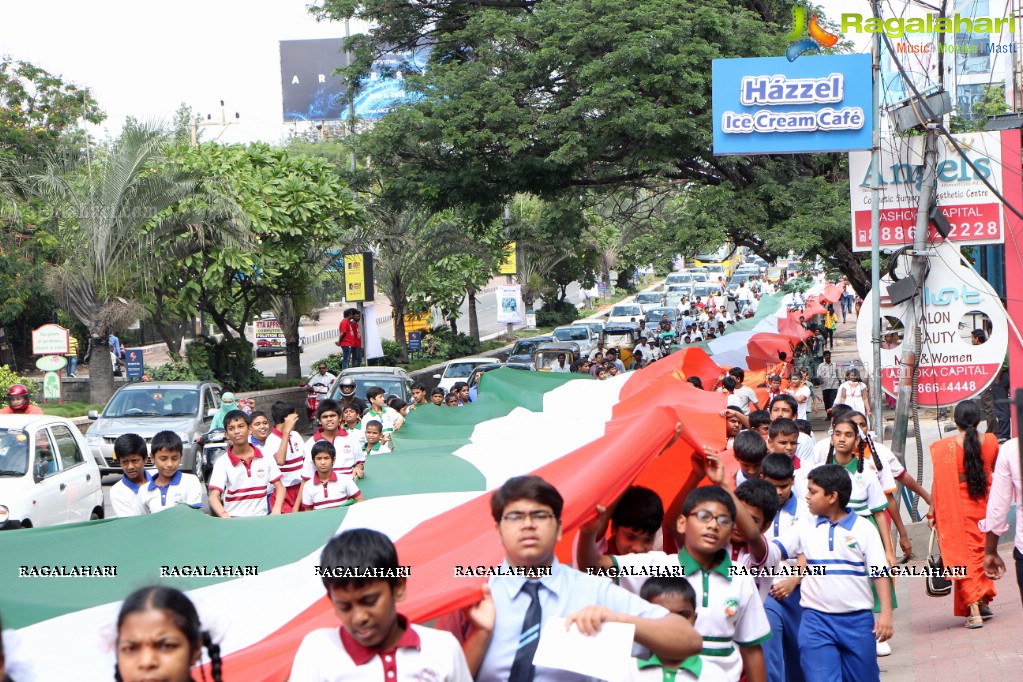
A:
(361, 655)
(235, 461)
(330, 479)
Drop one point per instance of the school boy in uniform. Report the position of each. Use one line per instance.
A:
(730, 616)
(327, 490)
(391, 419)
(288, 452)
(375, 445)
(785, 406)
(239, 480)
(169, 487)
(760, 421)
(783, 438)
(781, 652)
(130, 450)
(350, 460)
(750, 450)
(838, 632)
(527, 514)
(636, 520)
(679, 597)
(375, 642)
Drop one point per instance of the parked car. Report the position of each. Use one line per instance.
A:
(650, 299)
(586, 339)
(624, 312)
(184, 407)
(528, 345)
(48, 475)
(459, 370)
(595, 325)
(394, 381)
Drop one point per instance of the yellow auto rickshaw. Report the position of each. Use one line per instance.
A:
(621, 337)
(545, 357)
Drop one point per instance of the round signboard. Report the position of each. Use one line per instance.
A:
(956, 301)
(51, 363)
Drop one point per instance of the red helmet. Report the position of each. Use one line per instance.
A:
(17, 389)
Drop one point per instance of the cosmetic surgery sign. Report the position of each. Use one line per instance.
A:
(773, 106)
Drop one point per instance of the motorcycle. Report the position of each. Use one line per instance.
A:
(317, 392)
(214, 446)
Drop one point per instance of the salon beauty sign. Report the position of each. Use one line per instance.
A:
(770, 105)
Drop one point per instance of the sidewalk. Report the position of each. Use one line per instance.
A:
(931, 644)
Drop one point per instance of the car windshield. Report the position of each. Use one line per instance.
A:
(460, 370)
(572, 334)
(701, 291)
(526, 347)
(700, 277)
(13, 452)
(648, 298)
(154, 402)
(520, 359)
(679, 278)
(390, 386)
(625, 310)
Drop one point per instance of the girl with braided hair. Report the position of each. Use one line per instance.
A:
(962, 474)
(159, 637)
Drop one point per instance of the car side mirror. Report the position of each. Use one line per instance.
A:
(210, 412)
(606, 315)
(436, 376)
(93, 414)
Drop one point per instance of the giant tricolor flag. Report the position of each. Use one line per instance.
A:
(590, 438)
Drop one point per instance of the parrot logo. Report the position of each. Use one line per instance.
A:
(818, 36)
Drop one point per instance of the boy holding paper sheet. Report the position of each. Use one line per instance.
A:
(500, 633)
(678, 596)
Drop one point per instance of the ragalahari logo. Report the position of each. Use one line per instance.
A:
(817, 39)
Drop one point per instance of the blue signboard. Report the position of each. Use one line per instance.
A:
(133, 364)
(770, 105)
(415, 341)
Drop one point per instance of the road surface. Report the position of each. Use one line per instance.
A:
(486, 313)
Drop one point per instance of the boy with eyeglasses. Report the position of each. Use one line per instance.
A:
(730, 615)
(500, 633)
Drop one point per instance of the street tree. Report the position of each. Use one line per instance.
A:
(108, 202)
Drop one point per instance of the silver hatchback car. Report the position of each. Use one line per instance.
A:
(184, 407)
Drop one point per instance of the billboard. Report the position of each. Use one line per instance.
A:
(311, 91)
(975, 213)
(770, 105)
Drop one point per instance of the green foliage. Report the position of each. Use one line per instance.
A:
(556, 313)
(975, 121)
(462, 345)
(8, 377)
(175, 370)
(228, 361)
(436, 347)
(332, 361)
(392, 352)
(70, 410)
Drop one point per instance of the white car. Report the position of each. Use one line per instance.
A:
(459, 370)
(48, 475)
(625, 312)
(579, 334)
(650, 299)
(595, 325)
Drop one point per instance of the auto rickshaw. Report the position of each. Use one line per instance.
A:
(621, 337)
(545, 357)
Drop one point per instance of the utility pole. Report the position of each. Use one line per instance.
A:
(223, 123)
(875, 237)
(915, 309)
(510, 331)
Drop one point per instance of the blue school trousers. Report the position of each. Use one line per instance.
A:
(781, 652)
(838, 647)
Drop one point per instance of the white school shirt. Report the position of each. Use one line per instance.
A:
(122, 496)
(244, 486)
(182, 489)
(789, 514)
(348, 454)
(746, 395)
(332, 655)
(801, 408)
(294, 456)
(387, 419)
(651, 670)
(728, 608)
(892, 468)
(847, 551)
(334, 493)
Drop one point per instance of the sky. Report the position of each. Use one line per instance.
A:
(144, 59)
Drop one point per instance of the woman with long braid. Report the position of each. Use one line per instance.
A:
(962, 479)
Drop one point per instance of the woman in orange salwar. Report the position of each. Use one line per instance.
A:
(962, 475)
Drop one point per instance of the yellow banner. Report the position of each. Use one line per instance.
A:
(508, 266)
(355, 277)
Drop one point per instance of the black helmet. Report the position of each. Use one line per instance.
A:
(349, 383)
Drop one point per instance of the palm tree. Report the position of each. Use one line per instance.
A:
(108, 217)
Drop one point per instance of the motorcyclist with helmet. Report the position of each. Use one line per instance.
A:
(18, 402)
(347, 395)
